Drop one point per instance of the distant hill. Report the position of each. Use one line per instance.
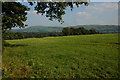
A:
(40, 29)
(102, 28)
(43, 29)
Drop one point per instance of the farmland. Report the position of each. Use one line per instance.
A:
(83, 56)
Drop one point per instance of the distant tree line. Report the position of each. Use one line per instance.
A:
(77, 31)
(22, 35)
(65, 32)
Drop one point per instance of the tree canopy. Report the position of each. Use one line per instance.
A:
(14, 13)
(55, 10)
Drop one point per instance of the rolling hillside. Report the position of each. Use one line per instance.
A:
(42, 29)
(102, 28)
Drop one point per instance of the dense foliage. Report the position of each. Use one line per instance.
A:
(14, 15)
(22, 35)
(77, 31)
(65, 32)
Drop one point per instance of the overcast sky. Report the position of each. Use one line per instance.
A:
(103, 13)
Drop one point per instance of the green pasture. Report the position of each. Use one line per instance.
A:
(83, 56)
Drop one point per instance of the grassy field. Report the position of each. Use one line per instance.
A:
(84, 56)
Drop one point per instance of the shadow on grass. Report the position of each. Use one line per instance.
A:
(14, 45)
(116, 43)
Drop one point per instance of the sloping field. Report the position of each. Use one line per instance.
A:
(84, 56)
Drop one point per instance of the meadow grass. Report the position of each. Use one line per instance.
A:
(83, 56)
